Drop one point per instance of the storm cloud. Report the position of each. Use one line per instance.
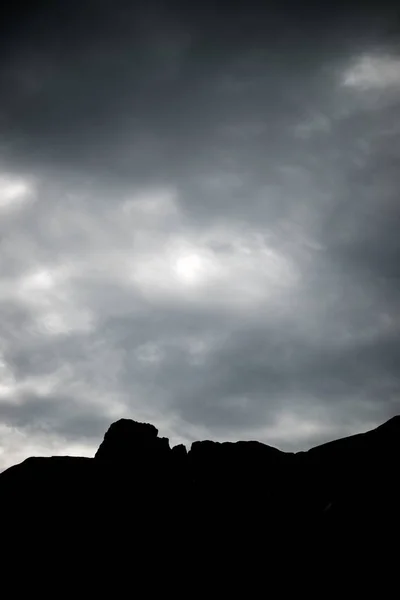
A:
(199, 216)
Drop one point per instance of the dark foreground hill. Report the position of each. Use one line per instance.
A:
(217, 511)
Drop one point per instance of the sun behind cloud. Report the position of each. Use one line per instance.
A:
(191, 268)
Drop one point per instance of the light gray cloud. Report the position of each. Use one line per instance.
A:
(198, 224)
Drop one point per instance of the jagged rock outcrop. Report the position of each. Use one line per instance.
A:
(129, 441)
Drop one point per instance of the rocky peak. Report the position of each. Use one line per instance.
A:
(126, 440)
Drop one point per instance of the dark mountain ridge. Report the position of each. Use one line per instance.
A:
(239, 503)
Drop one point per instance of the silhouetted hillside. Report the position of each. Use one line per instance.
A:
(138, 500)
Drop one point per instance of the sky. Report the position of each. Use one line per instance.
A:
(199, 216)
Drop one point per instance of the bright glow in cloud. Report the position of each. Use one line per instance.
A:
(40, 280)
(191, 268)
(175, 266)
(373, 72)
(232, 268)
(14, 191)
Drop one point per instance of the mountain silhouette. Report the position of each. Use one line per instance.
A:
(147, 506)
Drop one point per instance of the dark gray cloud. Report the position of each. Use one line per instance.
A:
(198, 221)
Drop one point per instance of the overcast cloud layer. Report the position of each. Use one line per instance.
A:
(199, 222)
